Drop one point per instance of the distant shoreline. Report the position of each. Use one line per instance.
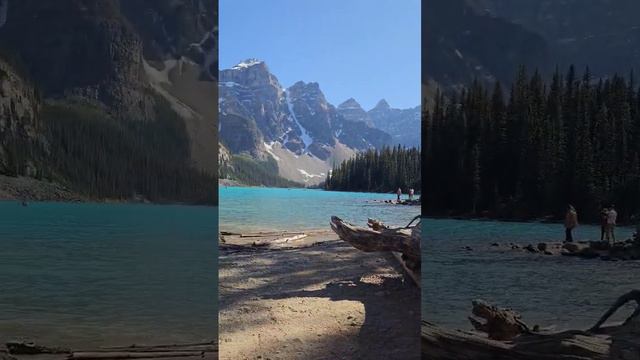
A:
(233, 183)
(534, 220)
(18, 189)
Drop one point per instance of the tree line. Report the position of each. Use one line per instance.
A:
(248, 171)
(383, 170)
(530, 150)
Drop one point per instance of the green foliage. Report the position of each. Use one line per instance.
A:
(569, 141)
(107, 158)
(378, 171)
(249, 171)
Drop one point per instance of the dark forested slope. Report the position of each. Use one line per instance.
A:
(84, 103)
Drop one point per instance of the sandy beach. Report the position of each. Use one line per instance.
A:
(312, 296)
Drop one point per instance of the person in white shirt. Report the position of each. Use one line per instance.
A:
(612, 216)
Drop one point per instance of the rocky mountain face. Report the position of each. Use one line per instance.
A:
(462, 43)
(20, 125)
(488, 39)
(352, 110)
(402, 124)
(601, 34)
(125, 58)
(78, 48)
(298, 127)
(256, 111)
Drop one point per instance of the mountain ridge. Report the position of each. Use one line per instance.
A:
(262, 118)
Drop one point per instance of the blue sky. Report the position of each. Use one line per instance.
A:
(363, 49)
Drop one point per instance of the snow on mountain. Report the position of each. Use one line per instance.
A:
(306, 138)
(296, 126)
(247, 63)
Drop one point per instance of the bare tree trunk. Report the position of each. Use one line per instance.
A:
(379, 237)
(616, 342)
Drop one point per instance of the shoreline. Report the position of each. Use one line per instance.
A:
(288, 296)
(24, 350)
(538, 220)
(106, 202)
(31, 190)
(232, 183)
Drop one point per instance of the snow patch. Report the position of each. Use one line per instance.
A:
(159, 80)
(247, 64)
(307, 175)
(269, 147)
(306, 138)
(160, 76)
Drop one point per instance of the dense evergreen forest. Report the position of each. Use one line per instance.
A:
(249, 171)
(104, 158)
(531, 150)
(382, 170)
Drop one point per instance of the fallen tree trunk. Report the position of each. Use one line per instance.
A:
(207, 350)
(379, 237)
(100, 355)
(616, 342)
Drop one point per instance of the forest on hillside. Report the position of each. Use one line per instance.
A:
(382, 170)
(248, 171)
(531, 149)
(105, 158)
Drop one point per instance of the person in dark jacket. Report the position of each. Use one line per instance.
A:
(603, 222)
(570, 223)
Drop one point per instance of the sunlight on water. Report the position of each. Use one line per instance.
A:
(546, 290)
(107, 274)
(254, 208)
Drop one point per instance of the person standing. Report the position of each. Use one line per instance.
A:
(399, 193)
(410, 194)
(612, 217)
(604, 215)
(570, 222)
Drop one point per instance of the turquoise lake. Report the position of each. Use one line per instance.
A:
(256, 208)
(547, 290)
(107, 274)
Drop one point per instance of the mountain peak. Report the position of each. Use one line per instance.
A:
(382, 105)
(350, 103)
(248, 63)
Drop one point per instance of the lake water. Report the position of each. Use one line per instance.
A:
(256, 208)
(546, 290)
(107, 274)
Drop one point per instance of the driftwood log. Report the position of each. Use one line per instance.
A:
(614, 342)
(207, 350)
(403, 242)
